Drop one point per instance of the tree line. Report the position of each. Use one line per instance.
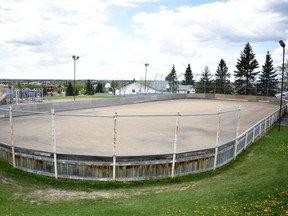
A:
(90, 88)
(248, 80)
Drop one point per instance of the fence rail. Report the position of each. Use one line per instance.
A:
(127, 168)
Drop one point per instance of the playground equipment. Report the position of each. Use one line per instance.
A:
(20, 95)
(26, 95)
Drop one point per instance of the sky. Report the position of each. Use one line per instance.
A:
(115, 38)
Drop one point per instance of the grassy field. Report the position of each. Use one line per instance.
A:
(61, 97)
(256, 183)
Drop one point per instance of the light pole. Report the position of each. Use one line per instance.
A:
(146, 65)
(74, 58)
(282, 44)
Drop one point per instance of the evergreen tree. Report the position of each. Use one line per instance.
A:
(268, 80)
(99, 88)
(89, 88)
(222, 78)
(70, 89)
(188, 77)
(172, 80)
(245, 75)
(205, 84)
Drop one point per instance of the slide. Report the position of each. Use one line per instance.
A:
(2, 98)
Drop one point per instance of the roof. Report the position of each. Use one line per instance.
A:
(185, 87)
(160, 85)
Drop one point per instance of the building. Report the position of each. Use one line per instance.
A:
(186, 89)
(152, 87)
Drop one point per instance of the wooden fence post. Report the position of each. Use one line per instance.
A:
(175, 145)
(12, 136)
(54, 147)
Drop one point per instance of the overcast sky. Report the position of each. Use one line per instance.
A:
(115, 38)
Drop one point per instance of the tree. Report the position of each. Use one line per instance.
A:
(89, 90)
(114, 86)
(222, 78)
(245, 75)
(172, 80)
(205, 83)
(268, 81)
(99, 88)
(285, 75)
(188, 77)
(70, 89)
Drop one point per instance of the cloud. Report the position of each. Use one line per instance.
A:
(129, 3)
(38, 38)
(241, 20)
(214, 29)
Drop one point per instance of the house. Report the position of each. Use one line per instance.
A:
(152, 87)
(186, 89)
(138, 87)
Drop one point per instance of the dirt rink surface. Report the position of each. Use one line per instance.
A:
(93, 133)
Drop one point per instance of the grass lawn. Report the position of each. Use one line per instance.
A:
(68, 98)
(256, 183)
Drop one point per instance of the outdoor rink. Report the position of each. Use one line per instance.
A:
(94, 134)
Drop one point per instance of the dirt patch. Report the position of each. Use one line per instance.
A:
(7, 181)
(54, 195)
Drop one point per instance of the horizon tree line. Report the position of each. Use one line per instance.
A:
(248, 81)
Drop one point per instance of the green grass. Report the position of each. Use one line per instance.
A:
(256, 183)
(61, 97)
